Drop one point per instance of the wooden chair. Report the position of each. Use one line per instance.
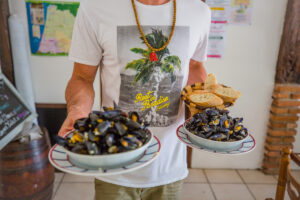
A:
(286, 180)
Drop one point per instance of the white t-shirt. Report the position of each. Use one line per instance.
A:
(106, 34)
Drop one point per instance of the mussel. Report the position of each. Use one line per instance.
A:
(216, 124)
(105, 132)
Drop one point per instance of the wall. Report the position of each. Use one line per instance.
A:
(50, 74)
(248, 65)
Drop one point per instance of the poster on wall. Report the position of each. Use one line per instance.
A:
(216, 42)
(50, 26)
(241, 12)
(220, 10)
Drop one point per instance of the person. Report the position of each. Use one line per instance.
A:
(139, 78)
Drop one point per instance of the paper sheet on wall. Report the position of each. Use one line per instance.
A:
(216, 44)
(220, 10)
(241, 12)
(50, 26)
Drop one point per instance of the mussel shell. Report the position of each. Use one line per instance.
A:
(140, 134)
(81, 124)
(92, 148)
(132, 125)
(224, 112)
(92, 137)
(237, 137)
(79, 148)
(93, 117)
(113, 149)
(104, 131)
(206, 128)
(238, 120)
(110, 139)
(128, 144)
(200, 135)
(103, 126)
(214, 121)
(208, 134)
(134, 116)
(111, 114)
(218, 136)
(244, 132)
(61, 141)
(238, 128)
(120, 128)
(211, 112)
(132, 139)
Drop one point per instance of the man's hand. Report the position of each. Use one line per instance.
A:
(69, 121)
(79, 95)
(197, 72)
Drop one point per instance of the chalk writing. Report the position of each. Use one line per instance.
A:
(12, 110)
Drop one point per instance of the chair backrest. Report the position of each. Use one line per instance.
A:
(286, 178)
(293, 185)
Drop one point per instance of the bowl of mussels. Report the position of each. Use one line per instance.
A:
(216, 130)
(108, 139)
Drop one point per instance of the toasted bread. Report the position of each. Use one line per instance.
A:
(210, 81)
(227, 93)
(200, 91)
(205, 99)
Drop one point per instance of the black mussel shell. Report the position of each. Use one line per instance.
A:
(121, 128)
(217, 125)
(110, 139)
(61, 141)
(134, 116)
(81, 124)
(92, 148)
(103, 126)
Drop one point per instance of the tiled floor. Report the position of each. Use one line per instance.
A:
(201, 184)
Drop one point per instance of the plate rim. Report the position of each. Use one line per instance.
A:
(212, 151)
(100, 172)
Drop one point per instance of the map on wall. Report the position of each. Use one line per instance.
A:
(50, 26)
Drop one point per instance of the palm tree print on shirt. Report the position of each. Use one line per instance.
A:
(164, 65)
(155, 72)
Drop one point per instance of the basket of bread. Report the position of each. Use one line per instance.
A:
(209, 94)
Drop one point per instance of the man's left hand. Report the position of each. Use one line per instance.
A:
(197, 72)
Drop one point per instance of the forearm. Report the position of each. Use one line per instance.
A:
(80, 91)
(197, 72)
(79, 96)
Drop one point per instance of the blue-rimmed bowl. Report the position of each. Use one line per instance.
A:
(212, 144)
(107, 161)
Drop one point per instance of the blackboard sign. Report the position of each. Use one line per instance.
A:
(13, 112)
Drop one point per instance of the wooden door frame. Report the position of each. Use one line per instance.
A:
(288, 64)
(6, 62)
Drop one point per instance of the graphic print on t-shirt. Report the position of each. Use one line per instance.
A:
(152, 88)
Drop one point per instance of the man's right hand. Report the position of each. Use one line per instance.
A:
(69, 122)
(79, 95)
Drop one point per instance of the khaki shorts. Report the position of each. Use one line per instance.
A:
(108, 191)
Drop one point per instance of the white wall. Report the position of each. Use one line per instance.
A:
(248, 65)
(50, 74)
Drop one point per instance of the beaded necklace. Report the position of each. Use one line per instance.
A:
(153, 56)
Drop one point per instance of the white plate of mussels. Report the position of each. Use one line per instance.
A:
(106, 143)
(215, 131)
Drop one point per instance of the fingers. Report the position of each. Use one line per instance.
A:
(69, 122)
(66, 127)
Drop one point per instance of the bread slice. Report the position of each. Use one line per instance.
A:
(205, 99)
(210, 81)
(200, 91)
(227, 93)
